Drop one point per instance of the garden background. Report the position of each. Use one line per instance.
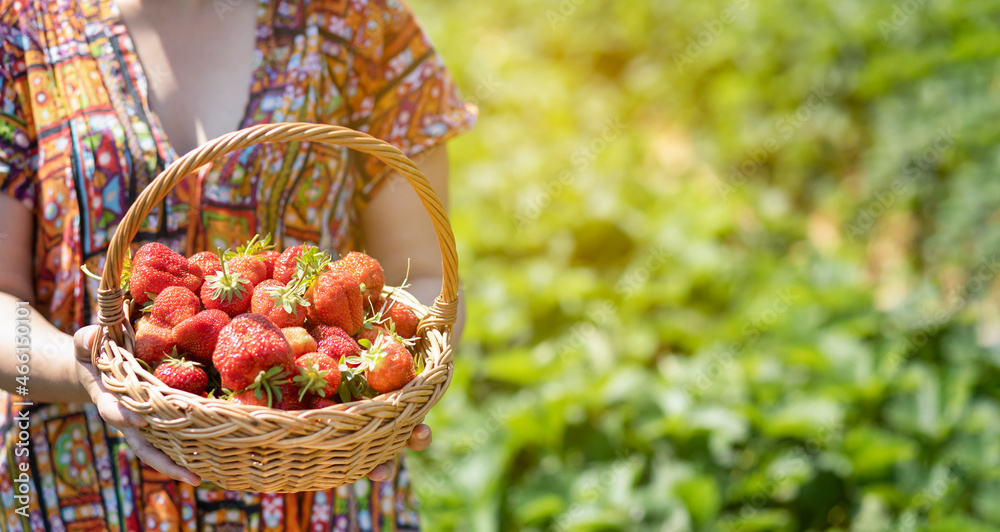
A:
(729, 265)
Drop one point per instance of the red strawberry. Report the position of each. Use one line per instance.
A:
(338, 344)
(270, 257)
(388, 365)
(249, 266)
(370, 331)
(316, 402)
(322, 332)
(207, 261)
(156, 267)
(249, 398)
(183, 375)
(299, 339)
(174, 305)
(289, 398)
(400, 318)
(252, 353)
(367, 271)
(335, 299)
(227, 292)
(282, 304)
(318, 375)
(284, 267)
(197, 335)
(154, 341)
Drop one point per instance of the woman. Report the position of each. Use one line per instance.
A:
(96, 97)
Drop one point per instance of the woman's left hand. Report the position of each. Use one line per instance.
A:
(420, 439)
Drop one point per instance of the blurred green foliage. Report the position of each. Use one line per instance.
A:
(729, 265)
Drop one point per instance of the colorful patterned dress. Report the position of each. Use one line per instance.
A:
(78, 142)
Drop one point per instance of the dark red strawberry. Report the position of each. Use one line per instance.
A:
(174, 305)
(207, 261)
(154, 341)
(289, 399)
(338, 344)
(388, 365)
(322, 332)
(399, 317)
(196, 336)
(228, 292)
(335, 299)
(300, 340)
(156, 267)
(318, 375)
(183, 375)
(252, 352)
(316, 402)
(367, 271)
(284, 305)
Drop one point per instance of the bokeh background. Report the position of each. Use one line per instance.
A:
(729, 265)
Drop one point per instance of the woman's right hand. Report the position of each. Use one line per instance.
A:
(116, 415)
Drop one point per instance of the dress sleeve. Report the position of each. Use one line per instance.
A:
(18, 145)
(405, 95)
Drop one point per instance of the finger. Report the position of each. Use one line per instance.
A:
(420, 438)
(157, 459)
(83, 340)
(383, 472)
(115, 414)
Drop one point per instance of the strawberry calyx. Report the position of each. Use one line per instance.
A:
(225, 285)
(310, 264)
(255, 246)
(176, 361)
(289, 297)
(268, 383)
(354, 383)
(311, 379)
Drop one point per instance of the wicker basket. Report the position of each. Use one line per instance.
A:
(241, 447)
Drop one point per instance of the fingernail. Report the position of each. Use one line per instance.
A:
(193, 481)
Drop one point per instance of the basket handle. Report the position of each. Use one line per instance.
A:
(110, 298)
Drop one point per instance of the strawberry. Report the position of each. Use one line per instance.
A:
(367, 271)
(197, 335)
(388, 366)
(183, 375)
(174, 305)
(337, 344)
(156, 267)
(400, 318)
(315, 402)
(370, 331)
(153, 341)
(249, 398)
(318, 375)
(270, 257)
(282, 304)
(249, 266)
(288, 398)
(335, 299)
(322, 332)
(299, 339)
(207, 261)
(284, 267)
(253, 354)
(228, 292)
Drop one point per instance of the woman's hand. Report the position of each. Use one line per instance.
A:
(120, 417)
(420, 439)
